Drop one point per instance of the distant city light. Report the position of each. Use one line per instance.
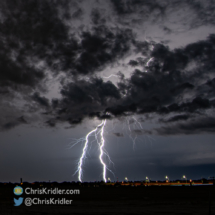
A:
(167, 179)
(147, 179)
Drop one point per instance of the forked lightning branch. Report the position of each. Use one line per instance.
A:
(98, 133)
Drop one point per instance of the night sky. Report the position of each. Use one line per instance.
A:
(147, 67)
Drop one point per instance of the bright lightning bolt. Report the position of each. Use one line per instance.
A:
(101, 141)
(83, 156)
(101, 151)
(147, 64)
(131, 123)
(112, 75)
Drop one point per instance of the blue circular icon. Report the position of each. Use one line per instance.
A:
(18, 190)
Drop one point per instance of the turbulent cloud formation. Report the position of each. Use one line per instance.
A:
(168, 86)
(13, 123)
(85, 98)
(40, 100)
(195, 126)
(71, 45)
(189, 13)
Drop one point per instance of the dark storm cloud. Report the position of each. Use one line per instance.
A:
(90, 92)
(33, 31)
(182, 87)
(124, 7)
(36, 33)
(142, 47)
(30, 32)
(200, 12)
(51, 123)
(97, 17)
(77, 14)
(162, 89)
(14, 123)
(195, 126)
(14, 74)
(100, 47)
(168, 86)
(21, 119)
(204, 10)
(40, 99)
(133, 63)
(176, 118)
(86, 98)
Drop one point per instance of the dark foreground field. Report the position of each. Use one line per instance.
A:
(118, 200)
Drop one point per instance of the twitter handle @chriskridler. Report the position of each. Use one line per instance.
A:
(38, 201)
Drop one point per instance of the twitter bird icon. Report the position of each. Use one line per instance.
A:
(18, 201)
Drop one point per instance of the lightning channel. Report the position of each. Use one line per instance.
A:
(83, 155)
(99, 138)
(151, 59)
(101, 150)
(112, 75)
